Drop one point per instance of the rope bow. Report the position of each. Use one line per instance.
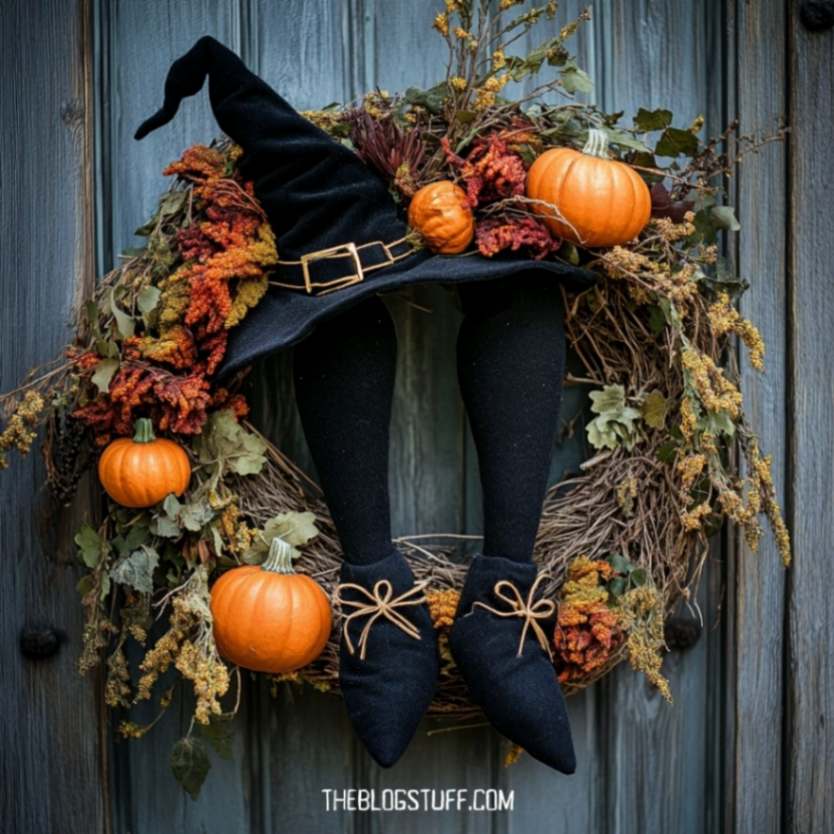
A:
(379, 604)
(531, 612)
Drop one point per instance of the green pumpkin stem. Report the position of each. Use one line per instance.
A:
(279, 559)
(143, 430)
(597, 144)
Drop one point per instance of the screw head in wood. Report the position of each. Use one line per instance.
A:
(40, 643)
(817, 15)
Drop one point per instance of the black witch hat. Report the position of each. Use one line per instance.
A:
(340, 235)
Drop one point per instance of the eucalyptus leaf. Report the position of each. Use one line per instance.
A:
(190, 764)
(147, 299)
(104, 373)
(575, 80)
(125, 324)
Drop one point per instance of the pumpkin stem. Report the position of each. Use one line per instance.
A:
(143, 430)
(597, 144)
(279, 559)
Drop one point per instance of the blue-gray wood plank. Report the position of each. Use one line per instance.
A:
(748, 744)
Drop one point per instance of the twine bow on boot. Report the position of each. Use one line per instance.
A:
(379, 604)
(531, 612)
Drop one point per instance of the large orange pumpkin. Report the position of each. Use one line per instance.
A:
(593, 200)
(140, 472)
(267, 617)
(442, 215)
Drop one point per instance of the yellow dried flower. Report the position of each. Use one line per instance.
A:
(689, 468)
(694, 518)
(461, 33)
(715, 391)
(20, 431)
(441, 23)
(643, 613)
(499, 59)
(724, 318)
(458, 83)
(442, 606)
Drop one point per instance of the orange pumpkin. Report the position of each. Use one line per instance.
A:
(442, 215)
(593, 200)
(140, 472)
(267, 617)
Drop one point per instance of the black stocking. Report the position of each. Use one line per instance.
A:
(511, 354)
(344, 382)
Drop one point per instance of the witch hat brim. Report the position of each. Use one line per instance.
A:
(332, 216)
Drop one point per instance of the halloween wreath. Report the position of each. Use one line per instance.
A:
(196, 492)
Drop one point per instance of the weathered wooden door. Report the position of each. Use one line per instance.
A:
(747, 745)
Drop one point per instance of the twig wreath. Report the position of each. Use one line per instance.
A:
(620, 541)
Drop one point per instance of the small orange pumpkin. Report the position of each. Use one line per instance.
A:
(596, 201)
(141, 471)
(442, 215)
(267, 617)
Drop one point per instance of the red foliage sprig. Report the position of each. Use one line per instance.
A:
(513, 232)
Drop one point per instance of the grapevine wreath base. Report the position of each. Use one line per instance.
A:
(621, 541)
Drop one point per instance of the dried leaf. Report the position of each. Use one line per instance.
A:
(136, 570)
(190, 765)
(654, 409)
(105, 371)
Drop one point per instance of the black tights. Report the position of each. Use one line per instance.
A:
(510, 366)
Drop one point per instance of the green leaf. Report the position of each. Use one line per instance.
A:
(165, 527)
(648, 120)
(171, 506)
(190, 764)
(194, 516)
(107, 349)
(218, 733)
(136, 570)
(638, 577)
(575, 80)
(615, 425)
(105, 371)
(125, 324)
(666, 453)
(626, 140)
(89, 545)
(617, 586)
(620, 563)
(657, 320)
(172, 202)
(294, 528)
(718, 423)
(654, 409)
(724, 217)
(147, 299)
(227, 445)
(676, 142)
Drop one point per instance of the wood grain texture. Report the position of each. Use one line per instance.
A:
(809, 757)
(654, 54)
(136, 44)
(760, 578)
(50, 756)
